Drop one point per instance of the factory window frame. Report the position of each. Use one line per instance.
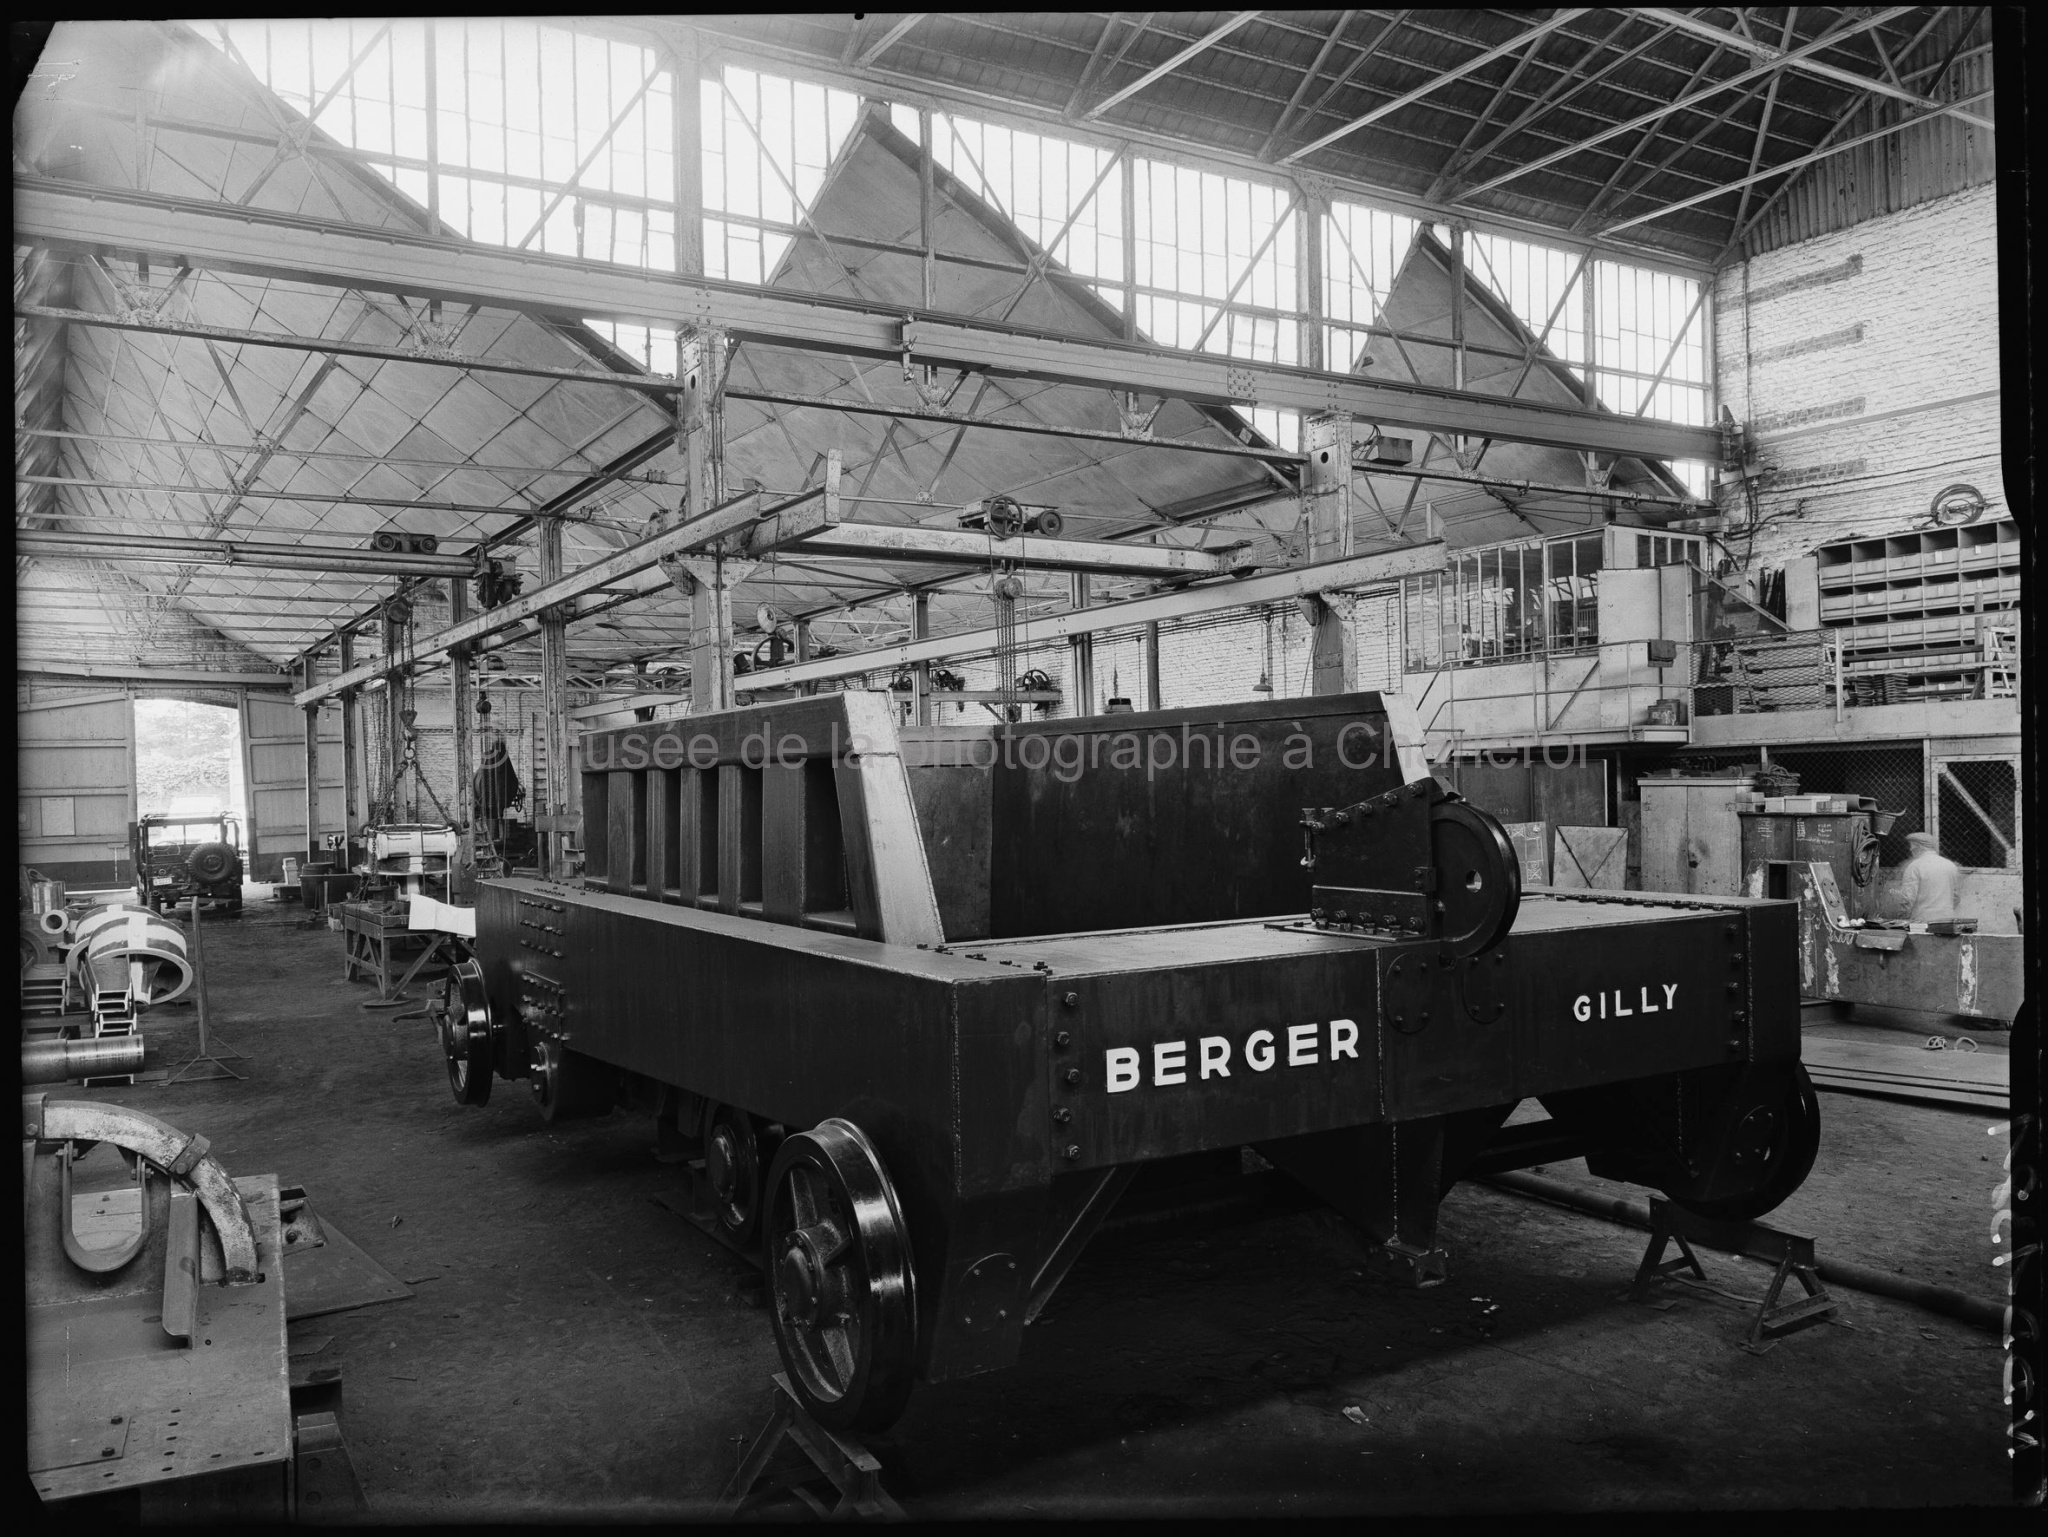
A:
(1543, 286)
(512, 132)
(1215, 262)
(1505, 603)
(1363, 249)
(1064, 196)
(767, 144)
(1648, 348)
(1653, 550)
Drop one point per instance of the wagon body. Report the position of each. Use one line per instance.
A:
(1024, 975)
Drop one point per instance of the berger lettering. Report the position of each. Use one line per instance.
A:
(1308, 1045)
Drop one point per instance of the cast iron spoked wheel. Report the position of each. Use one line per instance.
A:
(465, 1024)
(844, 1295)
(732, 1168)
(1777, 1144)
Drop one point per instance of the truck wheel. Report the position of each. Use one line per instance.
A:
(1770, 1148)
(464, 1018)
(733, 1168)
(566, 1084)
(844, 1293)
(210, 863)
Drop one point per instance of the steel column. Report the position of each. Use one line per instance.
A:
(312, 773)
(1081, 683)
(460, 691)
(351, 775)
(924, 202)
(554, 700)
(393, 706)
(921, 674)
(1326, 489)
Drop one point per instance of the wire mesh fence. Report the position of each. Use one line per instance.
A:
(1977, 811)
(1890, 773)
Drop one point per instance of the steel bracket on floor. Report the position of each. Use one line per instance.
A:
(1792, 1252)
(846, 1465)
(324, 1483)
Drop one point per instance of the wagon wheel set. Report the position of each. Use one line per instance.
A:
(819, 1204)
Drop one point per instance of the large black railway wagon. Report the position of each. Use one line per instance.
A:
(925, 1003)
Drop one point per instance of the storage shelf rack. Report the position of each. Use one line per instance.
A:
(1919, 605)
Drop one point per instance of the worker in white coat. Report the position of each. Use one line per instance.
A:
(1926, 891)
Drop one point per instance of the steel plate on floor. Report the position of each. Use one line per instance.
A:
(333, 1275)
(221, 1402)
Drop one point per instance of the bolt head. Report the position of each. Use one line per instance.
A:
(1073, 1075)
(1073, 1150)
(1072, 1000)
(1063, 1038)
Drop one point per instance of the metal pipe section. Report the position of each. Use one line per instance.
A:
(1946, 1300)
(103, 1056)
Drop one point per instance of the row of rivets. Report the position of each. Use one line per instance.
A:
(1071, 1077)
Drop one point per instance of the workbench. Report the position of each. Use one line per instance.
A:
(381, 946)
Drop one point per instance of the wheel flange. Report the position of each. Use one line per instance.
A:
(845, 1299)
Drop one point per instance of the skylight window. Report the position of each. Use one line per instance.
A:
(768, 143)
(1542, 286)
(1064, 196)
(1216, 263)
(1363, 249)
(510, 132)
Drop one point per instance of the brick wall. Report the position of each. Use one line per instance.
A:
(1866, 363)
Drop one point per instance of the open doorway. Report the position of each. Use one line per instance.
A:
(192, 820)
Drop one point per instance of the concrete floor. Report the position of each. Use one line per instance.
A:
(575, 1350)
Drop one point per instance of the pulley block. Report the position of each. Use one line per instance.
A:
(839, 1264)
(1418, 862)
(1005, 517)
